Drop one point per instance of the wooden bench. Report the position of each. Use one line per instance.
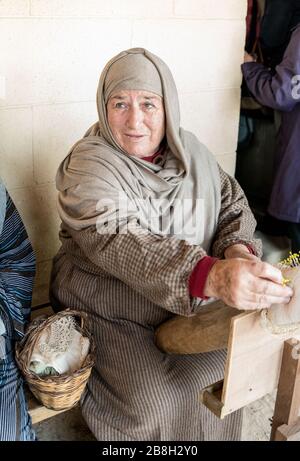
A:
(37, 411)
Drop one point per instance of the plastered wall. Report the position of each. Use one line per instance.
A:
(52, 53)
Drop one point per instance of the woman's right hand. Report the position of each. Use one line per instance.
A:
(248, 58)
(246, 284)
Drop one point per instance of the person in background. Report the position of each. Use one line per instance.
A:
(279, 19)
(280, 90)
(17, 270)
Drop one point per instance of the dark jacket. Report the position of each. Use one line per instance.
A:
(281, 91)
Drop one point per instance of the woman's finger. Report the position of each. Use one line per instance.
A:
(267, 300)
(265, 287)
(248, 306)
(267, 271)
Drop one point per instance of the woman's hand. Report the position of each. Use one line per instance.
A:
(239, 251)
(248, 58)
(246, 284)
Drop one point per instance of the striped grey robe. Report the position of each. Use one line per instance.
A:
(136, 392)
(17, 269)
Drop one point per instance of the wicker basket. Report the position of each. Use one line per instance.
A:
(55, 392)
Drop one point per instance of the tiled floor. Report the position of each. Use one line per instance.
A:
(257, 419)
(67, 426)
(70, 425)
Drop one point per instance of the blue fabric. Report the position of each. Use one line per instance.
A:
(2, 204)
(246, 131)
(17, 269)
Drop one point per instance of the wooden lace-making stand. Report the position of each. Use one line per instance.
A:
(257, 362)
(286, 419)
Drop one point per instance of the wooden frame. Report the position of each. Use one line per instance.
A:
(286, 421)
(252, 368)
(288, 432)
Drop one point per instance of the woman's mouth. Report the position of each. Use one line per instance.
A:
(134, 137)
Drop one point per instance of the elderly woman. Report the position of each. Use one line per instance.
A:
(147, 216)
(17, 269)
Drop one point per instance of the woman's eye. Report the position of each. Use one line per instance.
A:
(149, 105)
(120, 105)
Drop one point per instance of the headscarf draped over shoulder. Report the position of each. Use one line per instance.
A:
(98, 167)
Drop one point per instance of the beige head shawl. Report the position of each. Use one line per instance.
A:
(137, 69)
(130, 71)
(97, 168)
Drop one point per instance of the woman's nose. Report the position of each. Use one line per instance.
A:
(135, 118)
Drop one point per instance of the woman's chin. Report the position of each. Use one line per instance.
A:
(136, 152)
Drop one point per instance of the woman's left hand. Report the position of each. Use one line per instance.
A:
(239, 251)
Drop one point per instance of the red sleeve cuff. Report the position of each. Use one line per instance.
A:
(251, 250)
(199, 275)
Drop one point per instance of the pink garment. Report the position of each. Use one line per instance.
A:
(151, 158)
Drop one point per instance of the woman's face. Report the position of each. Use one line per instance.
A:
(137, 121)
